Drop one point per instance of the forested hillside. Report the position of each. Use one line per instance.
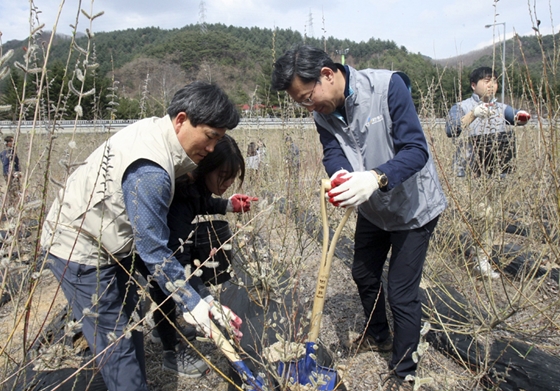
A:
(146, 65)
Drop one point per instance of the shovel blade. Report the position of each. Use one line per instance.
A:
(306, 371)
(256, 383)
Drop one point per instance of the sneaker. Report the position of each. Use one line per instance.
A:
(484, 269)
(396, 383)
(189, 332)
(184, 363)
(367, 343)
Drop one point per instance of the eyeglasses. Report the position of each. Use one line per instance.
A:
(309, 100)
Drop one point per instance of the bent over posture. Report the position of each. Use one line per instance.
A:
(193, 196)
(116, 203)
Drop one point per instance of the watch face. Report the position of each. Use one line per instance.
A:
(383, 181)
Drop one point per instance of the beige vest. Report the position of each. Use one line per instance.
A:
(87, 220)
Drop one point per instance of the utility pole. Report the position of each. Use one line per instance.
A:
(202, 16)
(310, 24)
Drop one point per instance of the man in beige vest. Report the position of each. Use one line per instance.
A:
(116, 204)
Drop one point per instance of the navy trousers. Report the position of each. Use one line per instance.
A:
(408, 253)
(122, 363)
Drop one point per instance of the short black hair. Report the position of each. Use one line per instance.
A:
(482, 73)
(204, 103)
(8, 138)
(303, 61)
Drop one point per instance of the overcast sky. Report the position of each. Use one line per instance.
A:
(436, 28)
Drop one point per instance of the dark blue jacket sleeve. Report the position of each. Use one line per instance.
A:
(509, 115)
(453, 123)
(411, 148)
(216, 205)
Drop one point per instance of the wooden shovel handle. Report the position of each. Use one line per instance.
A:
(223, 344)
(326, 262)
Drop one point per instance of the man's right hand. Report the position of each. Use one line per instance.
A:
(483, 110)
(199, 317)
(206, 309)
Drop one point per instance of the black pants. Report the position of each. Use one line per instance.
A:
(493, 153)
(408, 252)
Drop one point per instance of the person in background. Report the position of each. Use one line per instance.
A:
(10, 170)
(261, 150)
(376, 153)
(488, 149)
(116, 204)
(292, 158)
(253, 158)
(193, 196)
(10, 160)
(490, 146)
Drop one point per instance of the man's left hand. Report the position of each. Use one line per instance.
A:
(522, 117)
(356, 190)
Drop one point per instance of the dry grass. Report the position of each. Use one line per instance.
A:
(519, 308)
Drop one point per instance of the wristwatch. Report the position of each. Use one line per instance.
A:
(382, 180)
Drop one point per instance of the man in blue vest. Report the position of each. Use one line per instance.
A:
(490, 146)
(376, 153)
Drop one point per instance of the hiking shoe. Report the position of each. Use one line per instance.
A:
(396, 383)
(189, 332)
(367, 343)
(184, 363)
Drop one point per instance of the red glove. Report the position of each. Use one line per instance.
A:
(356, 189)
(522, 117)
(225, 316)
(239, 203)
(338, 178)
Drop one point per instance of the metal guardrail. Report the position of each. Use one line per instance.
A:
(84, 126)
(120, 122)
